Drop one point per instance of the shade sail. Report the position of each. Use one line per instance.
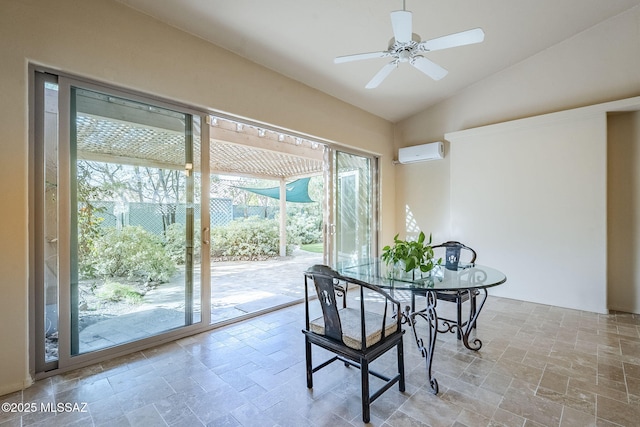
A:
(297, 191)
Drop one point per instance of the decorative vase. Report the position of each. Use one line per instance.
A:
(395, 270)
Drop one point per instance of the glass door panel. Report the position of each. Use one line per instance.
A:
(45, 229)
(50, 232)
(353, 214)
(134, 246)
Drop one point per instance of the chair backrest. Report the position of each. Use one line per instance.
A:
(325, 280)
(361, 328)
(453, 253)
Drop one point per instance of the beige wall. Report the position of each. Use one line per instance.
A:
(106, 41)
(598, 65)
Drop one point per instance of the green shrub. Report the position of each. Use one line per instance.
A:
(251, 238)
(304, 228)
(131, 252)
(175, 242)
(116, 292)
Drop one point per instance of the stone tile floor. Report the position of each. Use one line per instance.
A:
(539, 366)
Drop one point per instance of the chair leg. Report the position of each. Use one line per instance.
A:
(307, 345)
(366, 398)
(401, 386)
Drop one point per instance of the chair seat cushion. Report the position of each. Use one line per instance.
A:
(351, 328)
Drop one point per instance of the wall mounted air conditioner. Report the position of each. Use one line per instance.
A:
(421, 153)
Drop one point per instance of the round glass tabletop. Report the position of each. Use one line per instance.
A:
(466, 276)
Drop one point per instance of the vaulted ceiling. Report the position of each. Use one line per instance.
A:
(300, 39)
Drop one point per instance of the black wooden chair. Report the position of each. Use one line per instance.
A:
(452, 258)
(356, 336)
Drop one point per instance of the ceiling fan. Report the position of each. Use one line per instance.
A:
(405, 46)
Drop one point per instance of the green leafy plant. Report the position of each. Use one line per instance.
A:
(116, 292)
(413, 254)
(251, 238)
(132, 252)
(304, 228)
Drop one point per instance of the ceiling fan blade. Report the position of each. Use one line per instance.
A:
(401, 22)
(382, 74)
(453, 40)
(359, 56)
(429, 67)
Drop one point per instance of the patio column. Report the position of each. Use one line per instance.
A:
(283, 217)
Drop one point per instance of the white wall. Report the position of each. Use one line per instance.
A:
(106, 41)
(529, 197)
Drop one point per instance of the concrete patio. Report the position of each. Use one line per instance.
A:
(239, 288)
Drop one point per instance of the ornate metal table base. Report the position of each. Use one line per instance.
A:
(430, 315)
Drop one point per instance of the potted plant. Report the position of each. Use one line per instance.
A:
(415, 256)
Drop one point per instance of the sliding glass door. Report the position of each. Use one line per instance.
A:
(121, 216)
(132, 230)
(118, 245)
(353, 213)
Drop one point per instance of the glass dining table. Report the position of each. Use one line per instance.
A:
(472, 279)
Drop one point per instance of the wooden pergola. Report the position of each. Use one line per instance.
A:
(113, 130)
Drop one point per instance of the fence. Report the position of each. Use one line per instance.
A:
(154, 217)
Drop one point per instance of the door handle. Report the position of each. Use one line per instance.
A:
(205, 235)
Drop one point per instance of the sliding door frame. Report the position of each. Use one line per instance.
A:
(65, 362)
